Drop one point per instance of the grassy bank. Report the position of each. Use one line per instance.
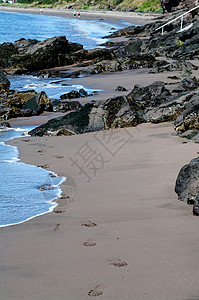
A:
(121, 5)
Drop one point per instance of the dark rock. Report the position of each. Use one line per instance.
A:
(83, 93)
(65, 106)
(75, 122)
(27, 112)
(141, 61)
(4, 82)
(23, 46)
(32, 55)
(38, 103)
(120, 88)
(190, 134)
(151, 95)
(187, 183)
(165, 66)
(189, 84)
(7, 50)
(196, 206)
(152, 103)
(189, 119)
(167, 5)
(127, 48)
(74, 94)
(5, 124)
(71, 95)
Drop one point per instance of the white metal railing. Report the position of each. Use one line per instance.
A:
(179, 17)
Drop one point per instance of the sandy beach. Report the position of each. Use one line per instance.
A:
(106, 16)
(123, 234)
(119, 232)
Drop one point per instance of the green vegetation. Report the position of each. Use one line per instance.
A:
(122, 5)
(147, 6)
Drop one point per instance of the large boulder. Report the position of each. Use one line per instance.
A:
(187, 184)
(74, 122)
(189, 119)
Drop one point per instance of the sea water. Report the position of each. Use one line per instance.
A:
(53, 88)
(89, 33)
(26, 191)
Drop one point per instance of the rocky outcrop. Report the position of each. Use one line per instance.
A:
(153, 103)
(74, 94)
(21, 103)
(4, 125)
(169, 5)
(4, 82)
(189, 118)
(187, 184)
(65, 106)
(73, 123)
(28, 55)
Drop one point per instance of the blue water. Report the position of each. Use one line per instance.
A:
(54, 88)
(89, 33)
(20, 196)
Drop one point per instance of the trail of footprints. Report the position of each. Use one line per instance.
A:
(117, 262)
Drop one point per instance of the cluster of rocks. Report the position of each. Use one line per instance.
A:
(20, 104)
(155, 103)
(29, 55)
(169, 5)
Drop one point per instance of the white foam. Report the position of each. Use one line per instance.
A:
(56, 186)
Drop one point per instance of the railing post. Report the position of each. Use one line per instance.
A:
(162, 30)
(181, 23)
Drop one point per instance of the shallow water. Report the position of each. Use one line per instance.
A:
(54, 88)
(89, 33)
(20, 194)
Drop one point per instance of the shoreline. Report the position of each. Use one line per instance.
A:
(139, 224)
(119, 230)
(106, 16)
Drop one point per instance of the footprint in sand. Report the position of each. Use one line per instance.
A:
(89, 224)
(57, 227)
(59, 211)
(41, 151)
(59, 156)
(43, 166)
(89, 243)
(97, 291)
(117, 262)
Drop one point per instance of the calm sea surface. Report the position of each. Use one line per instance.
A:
(20, 195)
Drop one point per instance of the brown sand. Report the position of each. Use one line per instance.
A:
(123, 235)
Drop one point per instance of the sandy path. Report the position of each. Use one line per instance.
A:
(145, 244)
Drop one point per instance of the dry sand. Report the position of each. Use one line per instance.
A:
(145, 244)
(122, 234)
